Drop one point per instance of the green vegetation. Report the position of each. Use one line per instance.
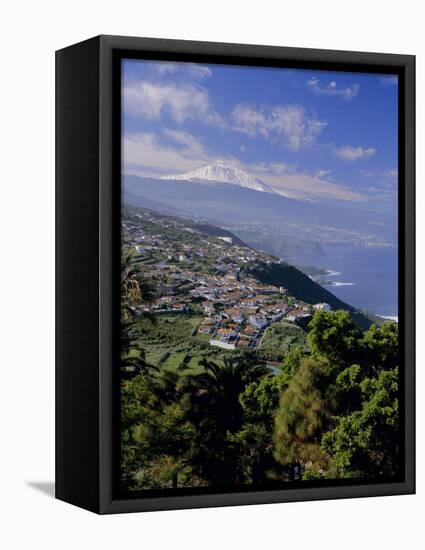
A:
(312, 399)
(339, 415)
(282, 337)
(303, 416)
(171, 343)
(199, 422)
(303, 288)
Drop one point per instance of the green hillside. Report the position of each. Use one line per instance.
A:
(303, 288)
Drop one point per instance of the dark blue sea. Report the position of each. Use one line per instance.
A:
(365, 277)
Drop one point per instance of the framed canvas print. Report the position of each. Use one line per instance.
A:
(235, 274)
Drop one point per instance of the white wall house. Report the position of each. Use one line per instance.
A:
(322, 307)
(258, 322)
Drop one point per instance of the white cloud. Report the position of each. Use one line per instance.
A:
(286, 180)
(288, 125)
(248, 120)
(389, 80)
(198, 71)
(195, 70)
(387, 175)
(185, 139)
(146, 154)
(350, 153)
(151, 100)
(332, 89)
(383, 181)
(165, 67)
(275, 168)
(322, 173)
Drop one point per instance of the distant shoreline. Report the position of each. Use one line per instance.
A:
(389, 317)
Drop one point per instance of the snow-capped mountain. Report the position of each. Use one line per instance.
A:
(222, 173)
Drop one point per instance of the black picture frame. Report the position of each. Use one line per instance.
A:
(87, 265)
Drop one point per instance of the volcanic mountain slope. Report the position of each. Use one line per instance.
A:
(225, 194)
(222, 173)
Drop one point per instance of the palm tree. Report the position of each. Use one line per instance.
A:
(135, 291)
(216, 413)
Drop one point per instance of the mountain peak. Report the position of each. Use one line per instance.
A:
(221, 172)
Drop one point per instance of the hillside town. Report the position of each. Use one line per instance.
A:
(194, 272)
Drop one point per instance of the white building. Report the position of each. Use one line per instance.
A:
(322, 307)
(209, 309)
(257, 322)
(222, 344)
(226, 239)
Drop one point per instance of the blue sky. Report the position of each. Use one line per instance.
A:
(312, 135)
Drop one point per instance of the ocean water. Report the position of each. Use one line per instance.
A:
(366, 278)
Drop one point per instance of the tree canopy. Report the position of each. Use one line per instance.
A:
(331, 413)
